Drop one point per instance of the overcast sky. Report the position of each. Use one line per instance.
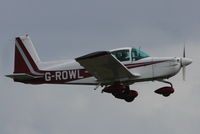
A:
(62, 29)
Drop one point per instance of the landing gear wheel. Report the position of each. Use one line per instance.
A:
(165, 91)
(166, 94)
(121, 91)
(129, 99)
(131, 96)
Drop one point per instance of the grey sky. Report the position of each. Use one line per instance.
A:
(70, 28)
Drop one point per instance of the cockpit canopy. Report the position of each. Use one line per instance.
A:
(129, 54)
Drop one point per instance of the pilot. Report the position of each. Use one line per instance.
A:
(119, 56)
(125, 56)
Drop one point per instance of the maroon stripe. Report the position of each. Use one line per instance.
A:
(145, 62)
(20, 65)
(27, 54)
(135, 65)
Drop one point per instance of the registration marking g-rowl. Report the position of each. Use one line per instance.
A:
(63, 75)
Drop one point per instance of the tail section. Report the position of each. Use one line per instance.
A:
(26, 57)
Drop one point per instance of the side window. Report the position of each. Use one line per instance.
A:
(122, 55)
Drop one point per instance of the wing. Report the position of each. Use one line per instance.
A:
(105, 67)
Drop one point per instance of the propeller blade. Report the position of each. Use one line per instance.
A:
(183, 72)
(184, 52)
(183, 66)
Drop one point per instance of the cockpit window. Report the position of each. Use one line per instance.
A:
(122, 55)
(129, 54)
(137, 54)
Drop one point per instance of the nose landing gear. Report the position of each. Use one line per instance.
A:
(165, 91)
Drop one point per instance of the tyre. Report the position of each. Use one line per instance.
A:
(129, 99)
(166, 94)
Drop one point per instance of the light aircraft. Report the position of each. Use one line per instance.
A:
(114, 70)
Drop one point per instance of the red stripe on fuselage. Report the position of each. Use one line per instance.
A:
(136, 65)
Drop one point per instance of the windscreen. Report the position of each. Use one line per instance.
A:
(137, 54)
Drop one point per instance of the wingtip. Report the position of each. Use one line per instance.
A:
(9, 76)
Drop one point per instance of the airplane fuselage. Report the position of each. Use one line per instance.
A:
(150, 68)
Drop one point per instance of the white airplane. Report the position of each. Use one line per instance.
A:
(114, 70)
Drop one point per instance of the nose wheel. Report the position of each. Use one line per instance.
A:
(165, 91)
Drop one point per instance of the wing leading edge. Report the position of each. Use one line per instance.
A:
(105, 67)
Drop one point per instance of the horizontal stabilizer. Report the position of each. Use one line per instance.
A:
(22, 77)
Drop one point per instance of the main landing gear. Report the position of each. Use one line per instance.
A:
(165, 91)
(121, 91)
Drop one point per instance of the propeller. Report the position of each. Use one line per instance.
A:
(184, 62)
(183, 66)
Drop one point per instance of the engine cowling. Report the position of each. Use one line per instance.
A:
(165, 91)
